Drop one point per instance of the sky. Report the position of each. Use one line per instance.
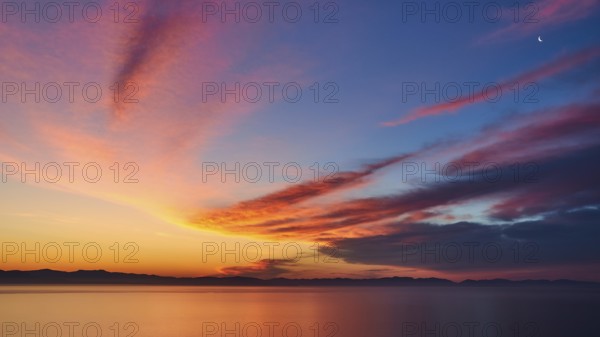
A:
(302, 139)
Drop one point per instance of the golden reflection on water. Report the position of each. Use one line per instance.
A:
(157, 311)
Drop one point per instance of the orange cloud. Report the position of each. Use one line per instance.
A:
(552, 139)
(277, 206)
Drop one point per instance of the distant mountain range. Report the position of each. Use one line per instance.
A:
(80, 277)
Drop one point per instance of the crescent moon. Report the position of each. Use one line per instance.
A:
(540, 39)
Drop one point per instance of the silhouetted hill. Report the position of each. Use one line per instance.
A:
(47, 276)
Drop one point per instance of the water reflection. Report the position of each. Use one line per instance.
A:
(157, 311)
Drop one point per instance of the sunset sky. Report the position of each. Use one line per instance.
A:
(379, 112)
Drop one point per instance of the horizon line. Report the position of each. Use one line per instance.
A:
(239, 277)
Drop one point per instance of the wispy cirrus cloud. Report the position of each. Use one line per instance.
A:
(284, 201)
(548, 70)
(542, 15)
(167, 54)
(558, 142)
(152, 43)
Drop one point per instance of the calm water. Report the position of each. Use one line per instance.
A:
(156, 311)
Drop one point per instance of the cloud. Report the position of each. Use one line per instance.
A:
(561, 175)
(542, 16)
(152, 43)
(280, 201)
(264, 269)
(168, 54)
(555, 67)
(565, 181)
(552, 147)
(560, 157)
(560, 240)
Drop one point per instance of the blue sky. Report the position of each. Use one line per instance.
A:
(371, 128)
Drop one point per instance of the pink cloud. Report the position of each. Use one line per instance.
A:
(556, 139)
(543, 15)
(550, 69)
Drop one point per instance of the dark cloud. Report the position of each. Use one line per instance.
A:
(561, 182)
(561, 239)
(264, 269)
